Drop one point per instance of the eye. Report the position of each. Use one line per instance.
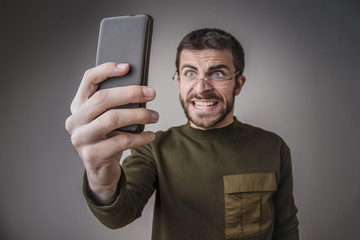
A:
(190, 74)
(217, 75)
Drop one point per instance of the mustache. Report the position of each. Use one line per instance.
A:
(212, 96)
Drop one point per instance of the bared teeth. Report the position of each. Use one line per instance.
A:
(204, 104)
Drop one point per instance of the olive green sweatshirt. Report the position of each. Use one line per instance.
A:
(229, 183)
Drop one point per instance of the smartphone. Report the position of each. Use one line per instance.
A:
(126, 39)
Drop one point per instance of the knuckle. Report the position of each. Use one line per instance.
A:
(105, 69)
(96, 73)
(72, 107)
(88, 74)
(77, 139)
(99, 97)
(68, 124)
(106, 66)
(125, 141)
(144, 115)
(132, 92)
(89, 155)
(108, 118)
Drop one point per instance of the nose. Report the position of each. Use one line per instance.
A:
(202, 85)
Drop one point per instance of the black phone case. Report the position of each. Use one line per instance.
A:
(126, 39)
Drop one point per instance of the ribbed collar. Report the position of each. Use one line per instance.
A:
(210, 134)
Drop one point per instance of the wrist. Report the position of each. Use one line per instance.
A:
(103, 191)
(104, 196)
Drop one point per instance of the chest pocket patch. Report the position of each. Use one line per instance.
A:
(248, 211)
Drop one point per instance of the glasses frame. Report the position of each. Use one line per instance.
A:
(206, 79)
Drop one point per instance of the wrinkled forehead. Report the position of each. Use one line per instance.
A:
(206, 59)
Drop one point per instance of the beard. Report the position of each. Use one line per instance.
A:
(197, 119)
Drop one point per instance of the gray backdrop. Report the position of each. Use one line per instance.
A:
(303, 83)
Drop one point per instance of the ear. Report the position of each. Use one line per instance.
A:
(240, 81)
(176, 77)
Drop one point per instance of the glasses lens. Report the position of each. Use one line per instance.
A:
(213, 82)
(218, 83)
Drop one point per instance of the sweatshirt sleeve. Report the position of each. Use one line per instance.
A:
(135, 187)
(286, 222)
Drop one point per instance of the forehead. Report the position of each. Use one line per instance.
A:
(204, 59)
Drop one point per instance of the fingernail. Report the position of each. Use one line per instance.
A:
(148, 92)
(155, 115)
(122, 66)
(152, 135)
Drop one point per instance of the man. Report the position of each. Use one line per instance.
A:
(215, 178)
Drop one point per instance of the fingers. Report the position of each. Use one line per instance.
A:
(106, 149)
(109, 98)
(110, 120)
(117, 118)
(93, 77)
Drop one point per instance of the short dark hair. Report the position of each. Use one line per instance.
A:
(212, 38)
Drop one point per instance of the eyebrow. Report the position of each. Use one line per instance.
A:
(214, 67)
(218, 67)
(188, 66)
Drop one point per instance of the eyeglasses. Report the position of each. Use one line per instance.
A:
(216, 80)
